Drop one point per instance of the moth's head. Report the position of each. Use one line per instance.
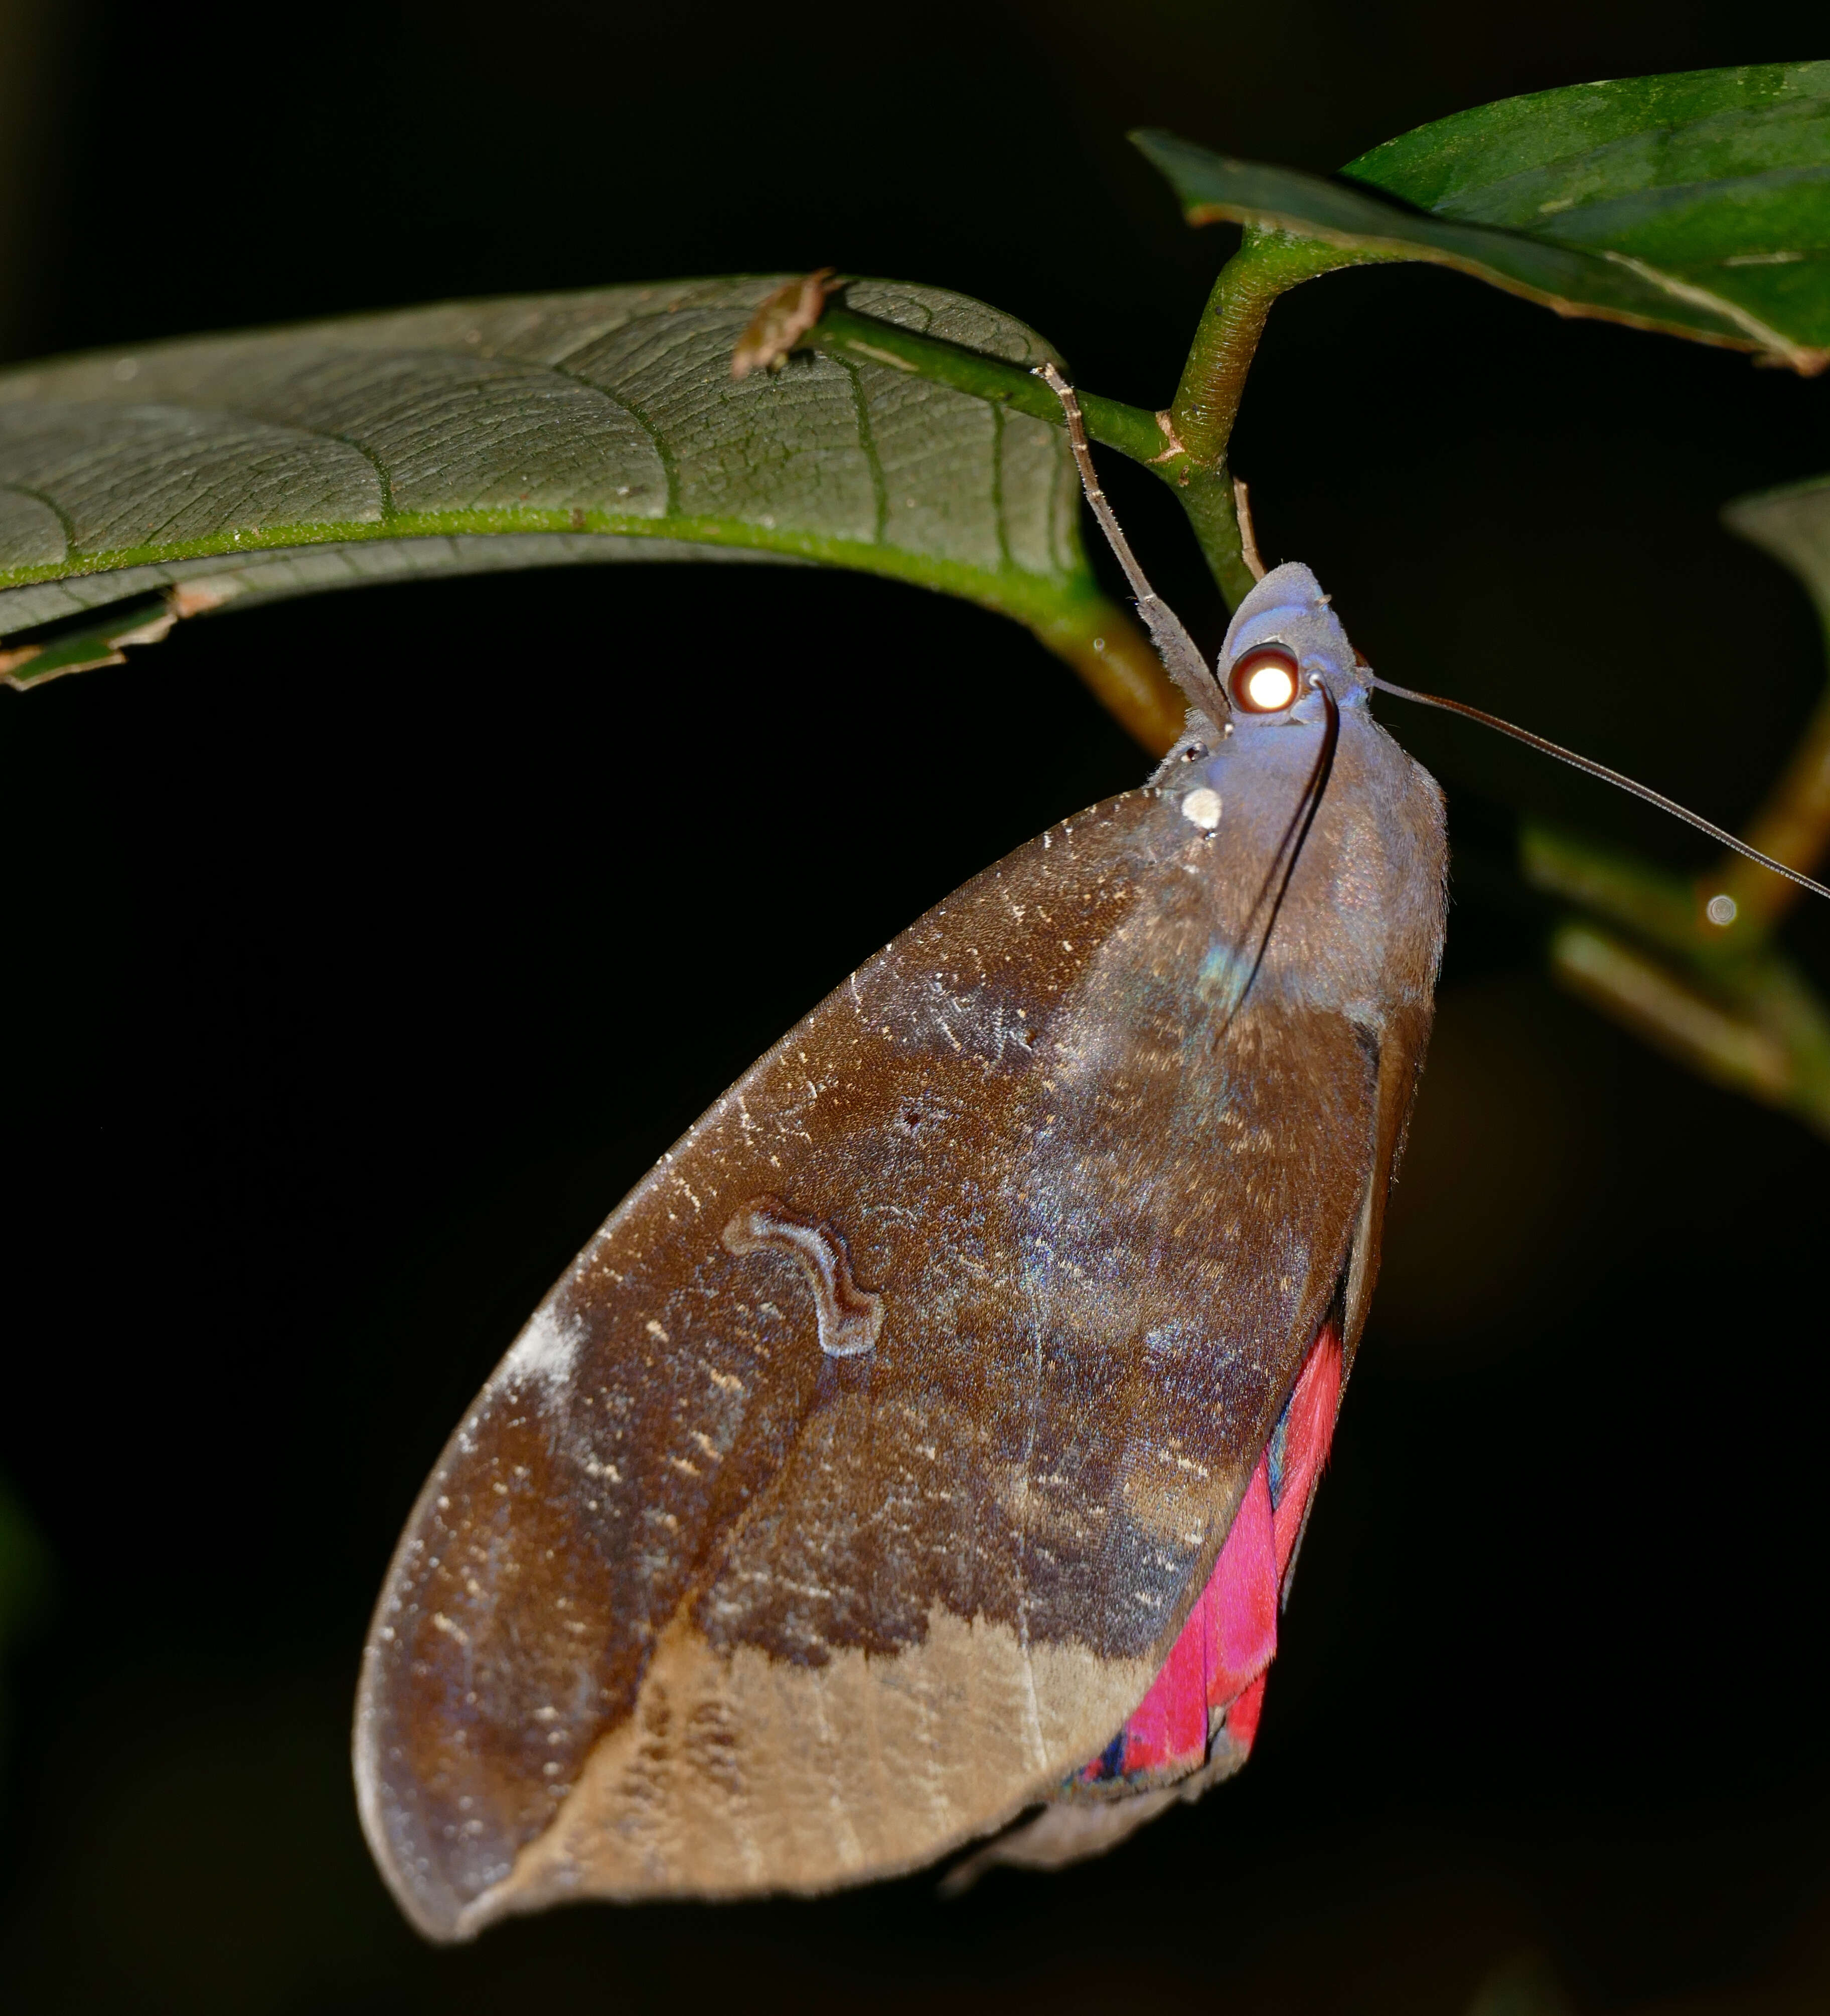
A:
(1283, 636)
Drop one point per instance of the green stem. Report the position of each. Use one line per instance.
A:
(840, 332)
(1654, 905)
(1205, 495)
(1186, 446)
(1267, 263)
(1718, 999)
(1759, 1030)
(1793, 825)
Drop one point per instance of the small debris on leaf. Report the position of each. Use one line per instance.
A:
(780, 322)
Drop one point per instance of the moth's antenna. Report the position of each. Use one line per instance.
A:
(1591, 768)
(1177, 649)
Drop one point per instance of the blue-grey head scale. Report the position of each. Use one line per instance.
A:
(1288, 608)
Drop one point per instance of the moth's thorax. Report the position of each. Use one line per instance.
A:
(1360, 923)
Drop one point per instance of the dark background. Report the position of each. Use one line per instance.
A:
(360, 952)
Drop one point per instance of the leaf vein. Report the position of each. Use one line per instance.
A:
(873, 458)
(50, 505)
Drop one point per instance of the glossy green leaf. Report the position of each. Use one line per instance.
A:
(513, 434)
(1717, 180)
(1696, 204)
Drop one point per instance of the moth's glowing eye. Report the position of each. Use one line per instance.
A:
(1270, 687)
(1264, 681)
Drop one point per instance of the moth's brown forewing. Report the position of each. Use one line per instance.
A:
(693, 1606)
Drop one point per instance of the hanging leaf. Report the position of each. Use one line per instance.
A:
(1793, 525)
(1697, 204)
(139, 486)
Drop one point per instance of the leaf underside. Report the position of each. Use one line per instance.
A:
(1698, 204)
(591, 426)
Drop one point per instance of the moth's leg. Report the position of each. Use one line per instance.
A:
(1181, 659)
(1248, 537)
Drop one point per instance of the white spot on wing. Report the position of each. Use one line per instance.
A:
(545, 1352)
(1202, 809)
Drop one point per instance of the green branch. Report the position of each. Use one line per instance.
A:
(1206, 495)
(840, 332)
(1185, 446)
(1716, 996)
(1793, 825)
(1267, 263)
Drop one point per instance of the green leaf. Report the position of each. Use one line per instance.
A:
(511, 434)
(1793, 525)
(1696, 204)
(1715, 180)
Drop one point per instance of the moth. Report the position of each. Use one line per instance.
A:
(920, 1455)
